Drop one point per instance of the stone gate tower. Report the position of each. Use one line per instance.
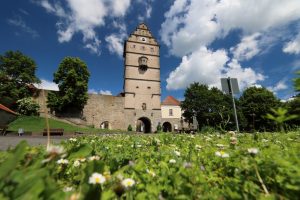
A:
(142, 80)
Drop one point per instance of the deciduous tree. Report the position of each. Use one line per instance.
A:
(72, 78)
(17, 73)
(255, 104)
(210, 106)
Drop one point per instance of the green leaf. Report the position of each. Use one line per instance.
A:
(83, 151)
(13, 159)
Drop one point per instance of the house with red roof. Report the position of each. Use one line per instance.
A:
(6, 115)
(171, 115)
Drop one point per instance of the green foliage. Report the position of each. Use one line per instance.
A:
(27, 106)
(17, 72)
(72, 78)
(207, 129)
(280, 116)
(163, 166)
(129, 128)
(255, 103)
(38, 124)
(209, 105)
(158, 128)
(293, 107)
(297, 82)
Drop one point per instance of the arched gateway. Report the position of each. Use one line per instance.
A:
(143, 124)
(167, 127)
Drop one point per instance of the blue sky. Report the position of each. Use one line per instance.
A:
(256, 41)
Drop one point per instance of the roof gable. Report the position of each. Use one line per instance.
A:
(169, 100)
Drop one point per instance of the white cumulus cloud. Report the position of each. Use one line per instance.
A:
(293, 46)
(47, 85)
(281, 85)
(81, 16)
(103, 92)
(247, 48)
(190, 24)
(207, 67)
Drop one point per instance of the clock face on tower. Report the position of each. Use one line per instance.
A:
(143, 39)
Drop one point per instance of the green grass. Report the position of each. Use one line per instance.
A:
(38, 124)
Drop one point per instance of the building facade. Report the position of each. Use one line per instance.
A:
(139, 105)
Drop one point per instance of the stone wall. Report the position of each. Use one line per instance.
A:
(102, 108)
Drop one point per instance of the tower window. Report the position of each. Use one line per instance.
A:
(170, 112)
(149, 87)
(143, 63)
(152, 49)
(143, 48)
(144, 106)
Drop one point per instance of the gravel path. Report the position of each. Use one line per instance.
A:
(12, 141)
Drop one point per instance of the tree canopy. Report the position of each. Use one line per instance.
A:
(72, 78)
(210, 106)
(255, 104)
(17, 73)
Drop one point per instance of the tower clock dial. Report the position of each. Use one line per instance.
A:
(143, 39)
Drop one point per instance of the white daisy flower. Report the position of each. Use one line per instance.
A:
(172, 161)
(76, 163)
(198, 147)
(67, 189)
(97, 178)
(73, 139)
(128, 182)
(177, 153)
(231, 133)
(222, 154)
(52, 149)
(152, 173)
(253, 151)
(92, 158)
(62, 161)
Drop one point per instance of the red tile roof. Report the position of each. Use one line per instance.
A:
(2, 107)
(169, 100)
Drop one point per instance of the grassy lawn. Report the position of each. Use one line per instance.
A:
(38, 124)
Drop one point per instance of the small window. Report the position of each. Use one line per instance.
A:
(170, 112)
(149, 87)
(144, 106)
(133, 46)
(137, 86)
(152, 49)
(143, 48)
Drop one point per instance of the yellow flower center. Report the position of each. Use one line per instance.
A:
(97, 179)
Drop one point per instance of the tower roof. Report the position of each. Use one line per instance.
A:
(171, 101)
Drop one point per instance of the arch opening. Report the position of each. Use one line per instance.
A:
(167, 127)
(105, 125)
(143, 124)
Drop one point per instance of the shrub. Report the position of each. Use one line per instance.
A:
(27, 106)
(158, 128)
(129, 127)
(208, 129)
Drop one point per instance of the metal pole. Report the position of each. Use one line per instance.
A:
(233, 102)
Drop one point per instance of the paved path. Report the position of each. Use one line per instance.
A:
(12, 141)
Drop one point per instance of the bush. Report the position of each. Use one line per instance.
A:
(158, 128)
(27, 106)
(208, 129)
(129, 127)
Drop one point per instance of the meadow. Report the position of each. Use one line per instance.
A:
(156, 166)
